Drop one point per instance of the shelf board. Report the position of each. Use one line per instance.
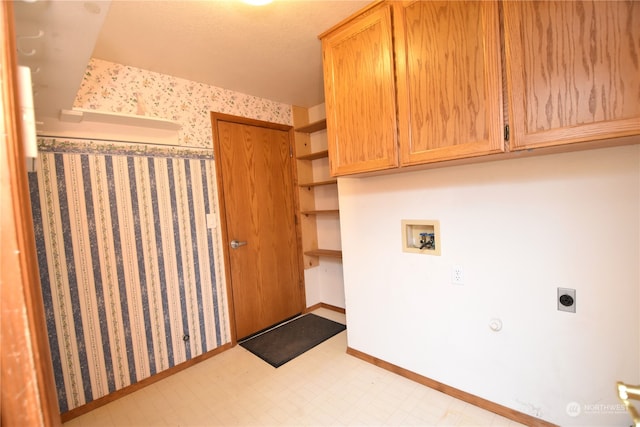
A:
(315, 184)
(77, 115)
(314, 156)
(313, 127)
(321, 212)
(329, 253)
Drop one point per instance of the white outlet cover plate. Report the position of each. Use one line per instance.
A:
(457, 275)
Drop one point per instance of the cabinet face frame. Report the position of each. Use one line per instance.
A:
(426, 109)
(360, 96)
(547, 87)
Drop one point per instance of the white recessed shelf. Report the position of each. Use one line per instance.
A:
(421, 236)
(77, 115)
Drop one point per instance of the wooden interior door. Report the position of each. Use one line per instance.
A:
(256, 191)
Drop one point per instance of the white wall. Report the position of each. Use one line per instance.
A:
(520, 229)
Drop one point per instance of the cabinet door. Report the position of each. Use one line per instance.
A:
(360, 95)
(573, 70)
(449, 80)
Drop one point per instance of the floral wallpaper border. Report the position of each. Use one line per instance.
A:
(90, 146)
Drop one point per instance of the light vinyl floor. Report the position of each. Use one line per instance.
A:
(322, 387)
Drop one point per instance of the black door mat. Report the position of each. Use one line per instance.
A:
(290, 340)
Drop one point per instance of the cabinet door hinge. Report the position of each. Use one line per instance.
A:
(506, 133)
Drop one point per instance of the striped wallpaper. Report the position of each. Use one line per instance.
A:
(126, 261)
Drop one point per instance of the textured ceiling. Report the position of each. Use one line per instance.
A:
(55, 39)
(270, 51)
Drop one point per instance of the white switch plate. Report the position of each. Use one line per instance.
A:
(211, 221)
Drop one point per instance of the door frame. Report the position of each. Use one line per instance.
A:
(28, 385)
(226, 253)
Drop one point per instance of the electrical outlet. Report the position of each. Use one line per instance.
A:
(457, 275)
(567, 300)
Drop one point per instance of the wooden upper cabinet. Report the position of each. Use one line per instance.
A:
(360, 94)
(449, 80)
(573, 69)
(418, 82)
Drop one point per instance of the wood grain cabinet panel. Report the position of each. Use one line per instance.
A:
(573, 69)
(436, 90)
(449, 79)
(360, 94)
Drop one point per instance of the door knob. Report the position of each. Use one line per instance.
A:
(236, 244)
